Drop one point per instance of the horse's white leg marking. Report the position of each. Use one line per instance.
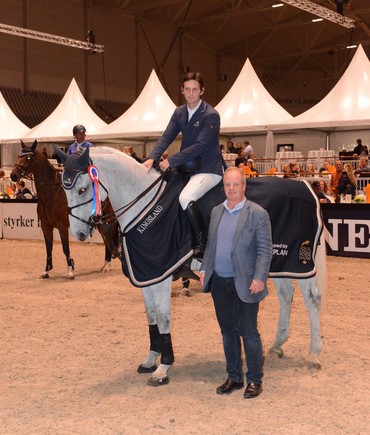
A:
(312, 299)
(107, 266)
(70, 272)
(157, 299)
(284, 290)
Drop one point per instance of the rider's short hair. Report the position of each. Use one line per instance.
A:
(197, 76)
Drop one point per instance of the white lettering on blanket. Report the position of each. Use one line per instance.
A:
(145, 224)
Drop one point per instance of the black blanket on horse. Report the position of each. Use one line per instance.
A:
(158, 242)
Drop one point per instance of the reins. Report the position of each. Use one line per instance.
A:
(113, 216)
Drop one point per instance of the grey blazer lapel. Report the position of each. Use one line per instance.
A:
(243, 216)
(218, 210)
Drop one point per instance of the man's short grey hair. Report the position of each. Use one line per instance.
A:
(234, 168)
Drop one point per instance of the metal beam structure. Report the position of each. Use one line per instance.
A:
(55, 39)
(322, 12)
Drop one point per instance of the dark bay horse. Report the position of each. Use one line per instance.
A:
(52, 208)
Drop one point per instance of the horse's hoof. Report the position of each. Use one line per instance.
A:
(71, 277)
(314, 365)
(142, 369)
(44, 275)
(157, 382)
(106, 268)
(185, 292)
(278, 352)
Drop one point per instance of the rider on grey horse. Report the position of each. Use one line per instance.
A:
(199, 124)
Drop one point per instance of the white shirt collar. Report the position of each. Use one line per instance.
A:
(236, 208)
(192, 111)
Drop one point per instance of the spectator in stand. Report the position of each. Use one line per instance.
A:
(347, 182)
(322, 197)
(360, 149)
(251, 155)
(252, 167)
(5, 186)
(248, 149)
(324, 188)
(230, 148)
(310, 170)
(130, 151)
(335, 178)
(286, 171)
(23, 192)
(295, 169)
(363, 169)
(327, 168)
(241, 158)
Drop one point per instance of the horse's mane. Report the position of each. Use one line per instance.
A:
(43, 164)
(129, 162)
(127, 171)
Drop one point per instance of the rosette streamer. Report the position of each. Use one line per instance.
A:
(94, 177)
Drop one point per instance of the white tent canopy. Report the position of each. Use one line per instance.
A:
(346, 107)
(11, 128)
(72, 110)
(148, 116)
(248, 106)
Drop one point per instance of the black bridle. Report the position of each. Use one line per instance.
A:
(29, 175)
(113, 216)
(22, 169)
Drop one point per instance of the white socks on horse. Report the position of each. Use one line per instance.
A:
(161, 371)
(150, 360)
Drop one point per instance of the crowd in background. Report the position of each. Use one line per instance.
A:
(342, 176)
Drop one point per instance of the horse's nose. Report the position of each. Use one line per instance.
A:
(81, 236)
(13, 177)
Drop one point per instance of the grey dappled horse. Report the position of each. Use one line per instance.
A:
(124, 179)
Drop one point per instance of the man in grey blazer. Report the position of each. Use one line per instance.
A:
(235, 269)
(199, 124)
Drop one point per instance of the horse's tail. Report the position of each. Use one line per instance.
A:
(321, 276)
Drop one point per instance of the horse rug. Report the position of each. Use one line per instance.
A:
(159, 241)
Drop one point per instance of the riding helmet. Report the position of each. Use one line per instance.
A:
(78, 128)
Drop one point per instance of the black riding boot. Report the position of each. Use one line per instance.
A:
(199, 227)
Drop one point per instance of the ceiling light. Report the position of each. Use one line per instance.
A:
(277, 5)
(316, 20)
(352, 46)
(320, 11)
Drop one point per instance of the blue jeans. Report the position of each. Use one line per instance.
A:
(238, 319)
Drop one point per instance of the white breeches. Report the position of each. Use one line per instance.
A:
(197, 186)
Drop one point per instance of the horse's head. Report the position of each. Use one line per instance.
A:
(84, 192)
(25, 165)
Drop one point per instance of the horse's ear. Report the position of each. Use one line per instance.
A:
(23, 144)
(34, 145)
(84, 159)
(60, 153)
